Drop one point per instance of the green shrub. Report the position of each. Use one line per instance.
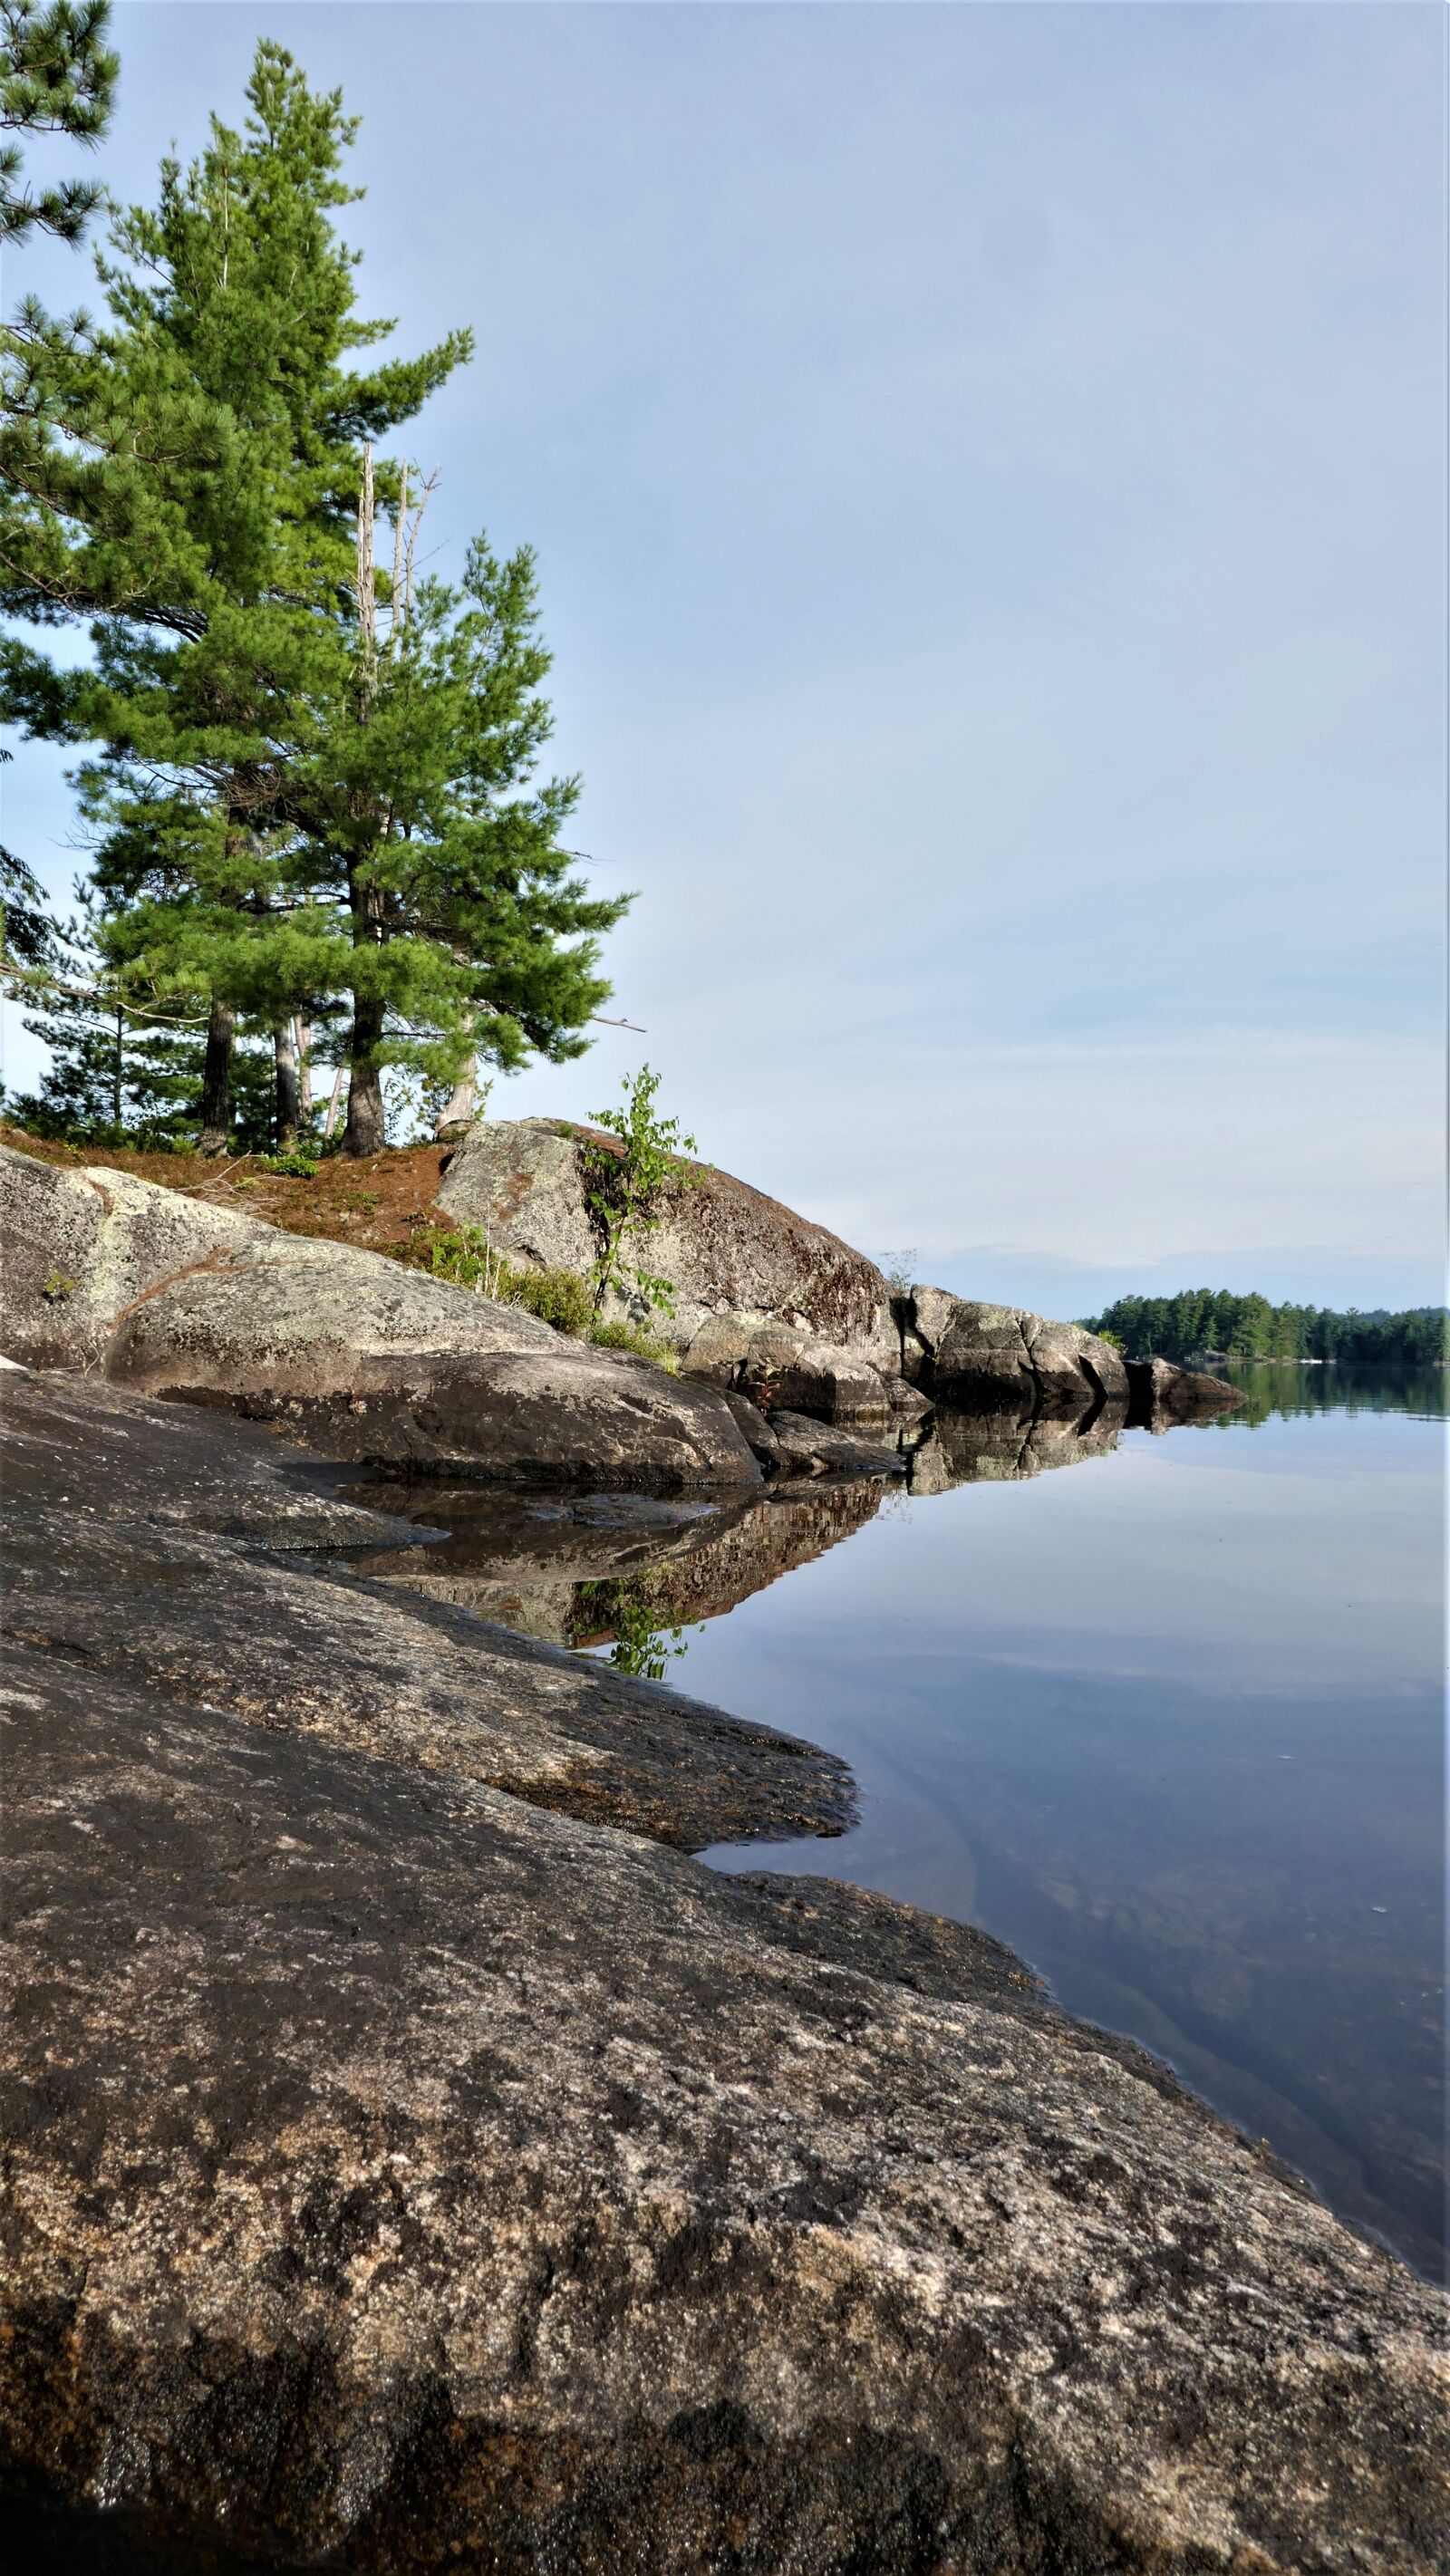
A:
(633, 1337)
(464, 1256)
(296, 1165)
(557, 1297)
(625, 1187)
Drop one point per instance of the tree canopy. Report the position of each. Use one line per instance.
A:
(57, 76)
(1215, 1323)
(306, 775)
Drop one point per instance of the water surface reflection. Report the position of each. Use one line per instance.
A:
(1171, 1725)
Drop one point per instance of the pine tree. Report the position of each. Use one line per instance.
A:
(186, 476)
(117, 1068)
(57, 76)
(469, 931)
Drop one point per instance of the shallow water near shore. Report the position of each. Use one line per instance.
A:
(1169, 1722)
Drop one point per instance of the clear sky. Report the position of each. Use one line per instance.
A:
(986, 464)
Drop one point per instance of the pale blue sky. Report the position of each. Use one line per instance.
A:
(986, 465)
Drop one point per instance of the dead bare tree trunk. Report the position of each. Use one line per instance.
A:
(367, 596)
(458, 1109)
(329, 1124)
(399, 523)
(284, 1049)
(216, 1080)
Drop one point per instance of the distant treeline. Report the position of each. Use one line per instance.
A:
(1213, 1322)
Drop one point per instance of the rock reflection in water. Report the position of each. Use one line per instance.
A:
(610, 1569)
(976, 1448)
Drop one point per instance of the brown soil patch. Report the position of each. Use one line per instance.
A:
(383, 1202)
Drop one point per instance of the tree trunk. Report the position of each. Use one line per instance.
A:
(458, 1109)
(304, 1071)
(329, 1124)
(116, 1077)
(284, 1048)
(216, 1080)
(365, 1132)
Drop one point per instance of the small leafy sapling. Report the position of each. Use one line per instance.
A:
(625, 1189)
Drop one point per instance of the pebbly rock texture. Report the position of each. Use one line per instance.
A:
(401, 2170)
(362, 1358)
(756, 1287)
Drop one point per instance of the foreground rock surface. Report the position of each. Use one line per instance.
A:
(401, 2168)
(142, 1583)
(361, 1357)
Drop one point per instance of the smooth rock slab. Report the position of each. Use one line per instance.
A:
(411, 2172)
(121, 1584)
(362, 1357)
(400, 2168)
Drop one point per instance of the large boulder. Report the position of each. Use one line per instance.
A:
(1001, 1359)
(407, 2168)
(994, 1355)
(361, 1356)
(742, 1266)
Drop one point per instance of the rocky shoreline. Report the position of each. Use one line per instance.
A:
(414, 2156)
(366, 1359)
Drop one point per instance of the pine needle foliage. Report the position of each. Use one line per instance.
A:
(57, 76)
(307, 781)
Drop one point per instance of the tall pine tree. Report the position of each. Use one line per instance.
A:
(291, 806)
(469, 929)
(186, 476)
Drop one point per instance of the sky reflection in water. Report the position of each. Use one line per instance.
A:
(1171, 1725)
(1169, 1722)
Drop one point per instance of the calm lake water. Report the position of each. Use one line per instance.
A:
(1164, 1713)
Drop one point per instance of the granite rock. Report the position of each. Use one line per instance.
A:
(404, 2168)
(737, 1259)
(362, 1357)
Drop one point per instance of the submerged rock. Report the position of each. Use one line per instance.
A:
(406, 2169)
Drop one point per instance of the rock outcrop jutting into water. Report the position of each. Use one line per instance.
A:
(414, 2155)
(786, 1313)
